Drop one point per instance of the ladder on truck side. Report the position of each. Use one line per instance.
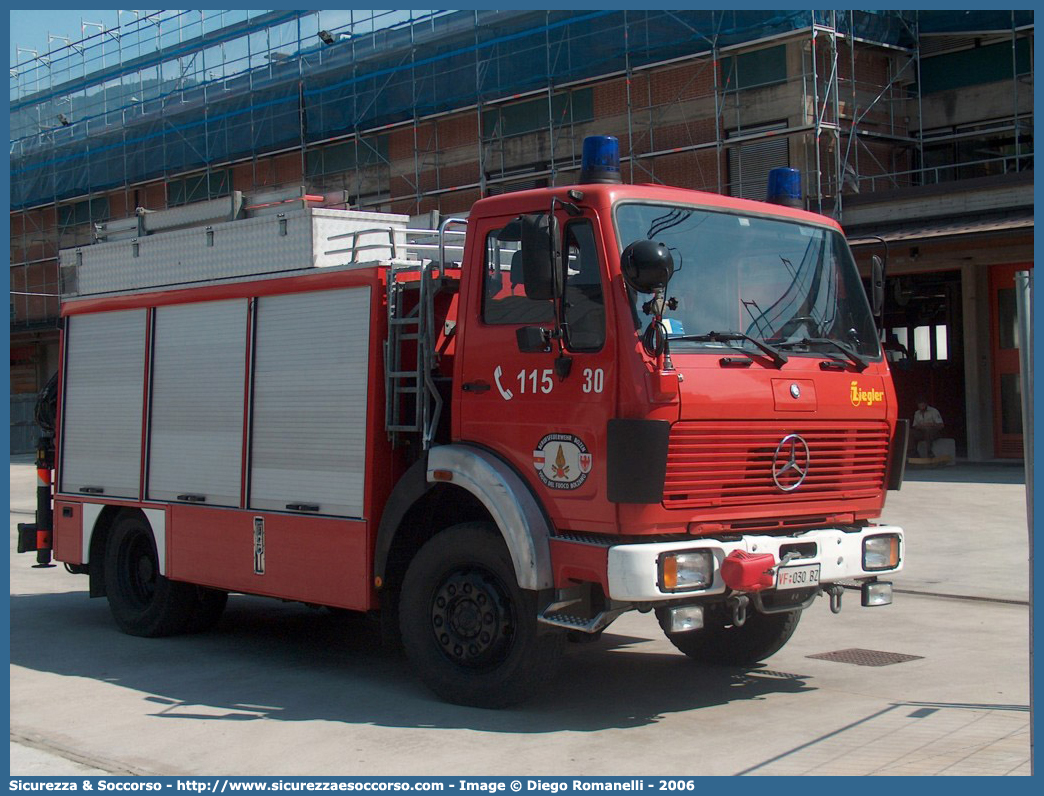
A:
(413, 403)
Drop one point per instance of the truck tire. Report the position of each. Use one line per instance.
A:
(468, 629)
(144, 602)
(722, 643)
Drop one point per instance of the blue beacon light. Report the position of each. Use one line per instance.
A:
(784, 188)
(601, 160)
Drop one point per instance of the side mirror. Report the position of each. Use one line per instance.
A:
(877, 286)
(541, 249)
(647, 266)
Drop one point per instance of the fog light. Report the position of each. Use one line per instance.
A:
(880, 552)
(684, 618)
(877, 593)
(686, 571)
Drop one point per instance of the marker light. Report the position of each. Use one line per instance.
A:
(601, 160)
(784, 187)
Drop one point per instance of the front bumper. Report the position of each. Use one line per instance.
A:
(634, 575)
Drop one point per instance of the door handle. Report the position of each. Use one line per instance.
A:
(475, 386)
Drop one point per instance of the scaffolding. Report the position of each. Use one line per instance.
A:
(417, 111)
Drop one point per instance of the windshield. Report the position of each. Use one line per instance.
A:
(790, 284)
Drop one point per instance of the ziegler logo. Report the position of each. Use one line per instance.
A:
(865, 397)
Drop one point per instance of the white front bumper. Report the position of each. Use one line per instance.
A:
(634, 568)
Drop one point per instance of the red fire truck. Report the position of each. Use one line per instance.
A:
(500, 434)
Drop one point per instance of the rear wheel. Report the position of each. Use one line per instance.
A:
(467, 627)
(144, 602)
(721, 642)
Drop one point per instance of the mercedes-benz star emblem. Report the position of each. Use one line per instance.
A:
(790, 463)
(795, 391)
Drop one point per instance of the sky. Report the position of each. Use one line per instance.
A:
(29, 29)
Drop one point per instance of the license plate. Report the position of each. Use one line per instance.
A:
(802, 577)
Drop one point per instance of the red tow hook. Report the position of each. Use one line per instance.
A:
(747, 572)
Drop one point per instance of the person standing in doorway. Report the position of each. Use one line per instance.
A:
(927, 425)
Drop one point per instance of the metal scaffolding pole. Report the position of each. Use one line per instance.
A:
(1015, 89)
(817, 169)
(627, 82)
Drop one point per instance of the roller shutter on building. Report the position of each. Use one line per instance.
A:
(101, 418)
(751, 162)
(309, 402)
(198, 386)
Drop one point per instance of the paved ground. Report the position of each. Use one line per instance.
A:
(282, 689)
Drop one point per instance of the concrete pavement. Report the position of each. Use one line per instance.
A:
(282, 689)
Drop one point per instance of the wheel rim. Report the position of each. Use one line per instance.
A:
(137, 562)
(472, 618)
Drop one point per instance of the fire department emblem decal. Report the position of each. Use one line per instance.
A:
(562, 461)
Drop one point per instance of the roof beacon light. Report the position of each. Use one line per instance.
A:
(601, 160)
(784, 188)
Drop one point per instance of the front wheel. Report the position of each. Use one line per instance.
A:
(723, 643)
(467, 627)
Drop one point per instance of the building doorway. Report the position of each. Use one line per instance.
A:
(923, 323)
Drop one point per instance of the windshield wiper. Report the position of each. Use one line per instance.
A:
(778, 357)
(860, 363)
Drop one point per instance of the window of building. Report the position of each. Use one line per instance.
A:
(928, 343)
(199, 188)
(981, 150)
(570, 107)
(85, 212)
(754, 69)
(346, 156)
(974, 67)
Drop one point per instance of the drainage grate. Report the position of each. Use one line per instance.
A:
(861, 657)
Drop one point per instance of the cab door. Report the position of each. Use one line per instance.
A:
(545, 417)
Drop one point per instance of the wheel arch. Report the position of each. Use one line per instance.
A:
(98, 522)
(463, 483)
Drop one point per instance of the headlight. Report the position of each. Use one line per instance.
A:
(686, 571)
(880, 552)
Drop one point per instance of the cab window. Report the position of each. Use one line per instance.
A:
(584, 301)
(504, 298)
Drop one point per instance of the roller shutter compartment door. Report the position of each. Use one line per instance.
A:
(196, 422)
(311, 373)
(102, 406)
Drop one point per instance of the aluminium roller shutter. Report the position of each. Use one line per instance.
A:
(102, 405)
(311, 376)
(196, 420)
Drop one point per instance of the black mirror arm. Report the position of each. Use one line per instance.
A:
(563, 363)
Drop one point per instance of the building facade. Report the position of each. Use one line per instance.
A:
(914, 129)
